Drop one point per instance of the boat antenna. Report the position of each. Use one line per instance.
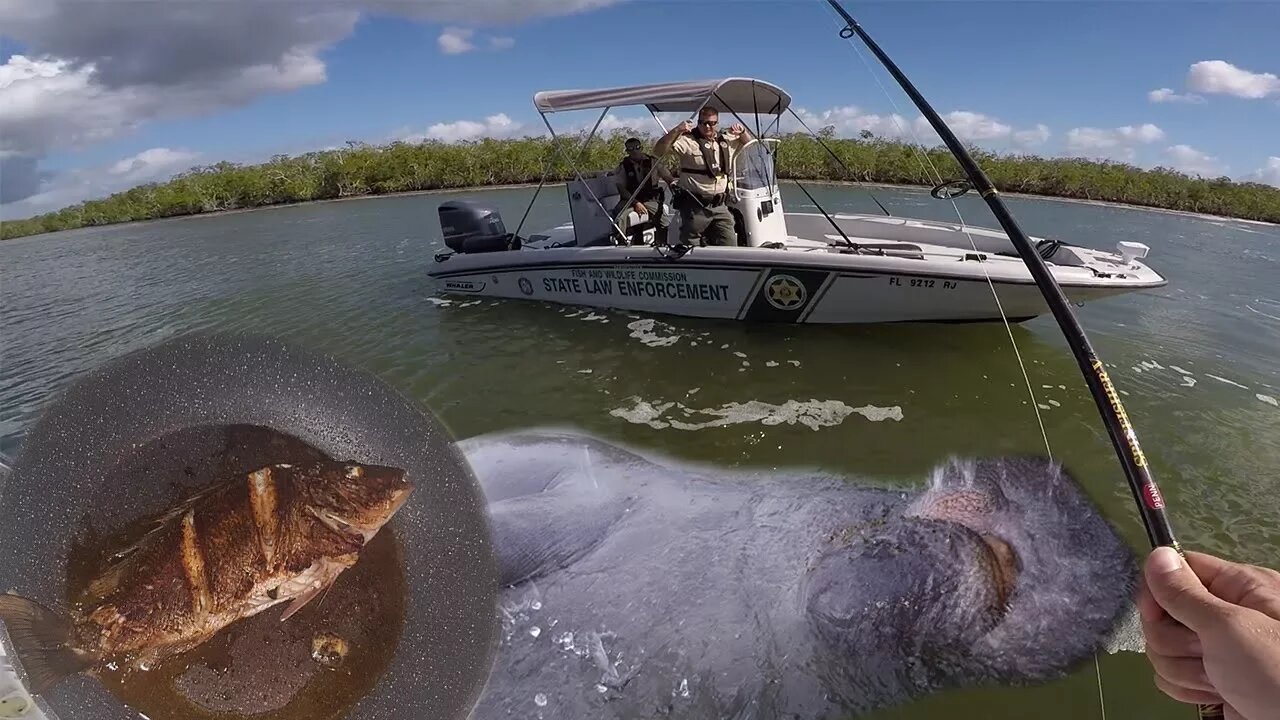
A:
(1146, 493)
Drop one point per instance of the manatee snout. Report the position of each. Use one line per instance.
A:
(911, 583)
(1000, 569)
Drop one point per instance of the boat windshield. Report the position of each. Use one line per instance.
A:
(754, 165)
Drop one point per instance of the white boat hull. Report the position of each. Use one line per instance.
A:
(758, 284)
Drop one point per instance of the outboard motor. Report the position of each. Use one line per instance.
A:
(471, 228)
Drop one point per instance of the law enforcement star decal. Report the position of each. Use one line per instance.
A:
(785, 292)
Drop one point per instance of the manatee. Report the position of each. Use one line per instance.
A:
(635, 586)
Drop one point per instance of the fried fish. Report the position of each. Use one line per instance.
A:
(282, 533)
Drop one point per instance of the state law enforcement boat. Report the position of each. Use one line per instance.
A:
(788, 266)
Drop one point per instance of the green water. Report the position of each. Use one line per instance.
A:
(1195, 362)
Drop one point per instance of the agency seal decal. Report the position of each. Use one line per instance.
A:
(526, 287)
(785, 292)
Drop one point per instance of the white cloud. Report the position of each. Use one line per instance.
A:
(494, 126)
(613, 122)
(501, 126)
(93, 71)
(851, 121)
(1032, 138)
(848, 121)
(455, 41)
(972, 126)
(1167, 95)
(1114, 142)
(1194, 162)
(481, 12)
(74, 186)
(458, 40)
(1219, 76)
(50, 104)
(150, 163)
(1269, 173)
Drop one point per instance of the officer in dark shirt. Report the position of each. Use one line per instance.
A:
(633, 169)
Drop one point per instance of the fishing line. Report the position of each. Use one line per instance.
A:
(1102, 704)
(1035, 405)
(916, 150)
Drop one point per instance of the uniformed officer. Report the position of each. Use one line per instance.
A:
(701, 191)
(630, 172)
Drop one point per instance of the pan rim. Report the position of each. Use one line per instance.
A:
(220, 378)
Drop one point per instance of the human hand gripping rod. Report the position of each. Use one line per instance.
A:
(1146, 493)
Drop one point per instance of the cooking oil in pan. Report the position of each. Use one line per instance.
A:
(317, 665)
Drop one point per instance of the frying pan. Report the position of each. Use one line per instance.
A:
(108, 420)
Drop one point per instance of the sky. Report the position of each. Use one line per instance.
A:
(97, 96)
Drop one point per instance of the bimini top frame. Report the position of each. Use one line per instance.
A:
(735, 95)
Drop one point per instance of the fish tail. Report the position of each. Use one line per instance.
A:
(42, 642)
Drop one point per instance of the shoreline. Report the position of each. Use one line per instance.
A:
(517, 186)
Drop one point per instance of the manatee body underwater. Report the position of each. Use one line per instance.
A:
(636, 586)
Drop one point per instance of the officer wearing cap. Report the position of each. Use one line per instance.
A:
(701, 191)
(632, 174)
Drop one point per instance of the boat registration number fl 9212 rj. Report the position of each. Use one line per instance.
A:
(922, 282)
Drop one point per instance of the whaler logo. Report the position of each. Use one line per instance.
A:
(785, 292)
(463, 285)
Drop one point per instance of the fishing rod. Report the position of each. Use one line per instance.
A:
(1146, 493)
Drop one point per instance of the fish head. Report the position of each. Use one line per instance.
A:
(355, 498)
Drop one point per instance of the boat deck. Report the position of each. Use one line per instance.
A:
(897, 244)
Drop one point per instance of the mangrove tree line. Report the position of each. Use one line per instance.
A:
(361, 169)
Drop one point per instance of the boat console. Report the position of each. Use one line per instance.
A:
(755, 197)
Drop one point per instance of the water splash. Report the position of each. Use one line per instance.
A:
(646, 332)
(812, 413)
(517, 612)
